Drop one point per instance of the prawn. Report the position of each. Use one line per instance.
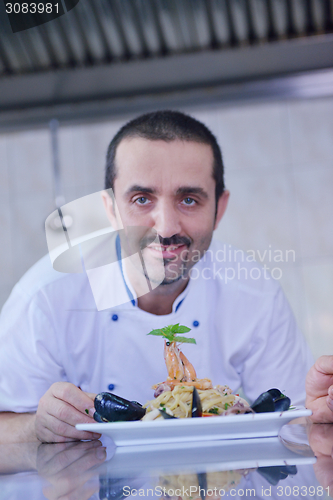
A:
(180, 370)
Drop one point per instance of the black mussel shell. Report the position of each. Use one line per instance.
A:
(275, 474)
(275, 393)
(264, 403)
(282, 404)
(272, 400)
(98, 418)
(116, 409)
(166, 415)
(289, 470)
(196, 404)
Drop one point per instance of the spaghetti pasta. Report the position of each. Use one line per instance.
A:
(178, 402)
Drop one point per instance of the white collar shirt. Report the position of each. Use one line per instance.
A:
(50, 331)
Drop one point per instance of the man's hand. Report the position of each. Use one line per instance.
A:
(319, 390)
(62, 407)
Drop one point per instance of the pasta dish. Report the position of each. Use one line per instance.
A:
(175, 395)
(178, 402)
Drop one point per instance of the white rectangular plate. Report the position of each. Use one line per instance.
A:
(195, 429)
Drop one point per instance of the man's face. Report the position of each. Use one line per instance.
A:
(169, 187)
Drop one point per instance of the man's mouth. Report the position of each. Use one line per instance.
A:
(167, 252)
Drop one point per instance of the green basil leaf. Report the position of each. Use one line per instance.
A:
(170, 333)
(170, 337)
(156, 332)
(183, 329)
(185, 340)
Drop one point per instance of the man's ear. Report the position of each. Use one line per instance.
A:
(221, 207)
(111, 208)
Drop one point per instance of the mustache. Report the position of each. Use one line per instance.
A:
(176, 239)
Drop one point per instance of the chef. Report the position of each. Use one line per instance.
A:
(59, 345)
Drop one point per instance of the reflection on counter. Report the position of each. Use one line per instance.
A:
(257, 468)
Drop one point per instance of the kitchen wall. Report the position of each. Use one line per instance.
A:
(279, 169)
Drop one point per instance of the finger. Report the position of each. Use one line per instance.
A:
(321, 414)
(317, 381)
(69, 458)
(47, 452)
(64, 455)
(321, 439)
(90, 395)
(60, 419)
(324, 364)
(74, 473)
(46, 436)
(67, 413)
(62, 429)
(72, 395)
(77, 475)
(329, 402)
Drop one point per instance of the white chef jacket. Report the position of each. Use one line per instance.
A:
(50, 331)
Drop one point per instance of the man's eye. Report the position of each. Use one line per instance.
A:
(189, 201)
(142, 200)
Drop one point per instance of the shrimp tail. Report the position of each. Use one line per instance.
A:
(189, 371)
(173, 361)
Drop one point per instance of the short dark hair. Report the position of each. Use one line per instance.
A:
(166, 126)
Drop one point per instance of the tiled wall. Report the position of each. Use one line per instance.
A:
(279, 169)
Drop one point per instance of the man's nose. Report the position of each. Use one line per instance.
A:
(167, 220)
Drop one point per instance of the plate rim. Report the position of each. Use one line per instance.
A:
(189, 422)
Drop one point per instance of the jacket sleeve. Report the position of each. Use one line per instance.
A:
(29, 353)
(279, 355)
